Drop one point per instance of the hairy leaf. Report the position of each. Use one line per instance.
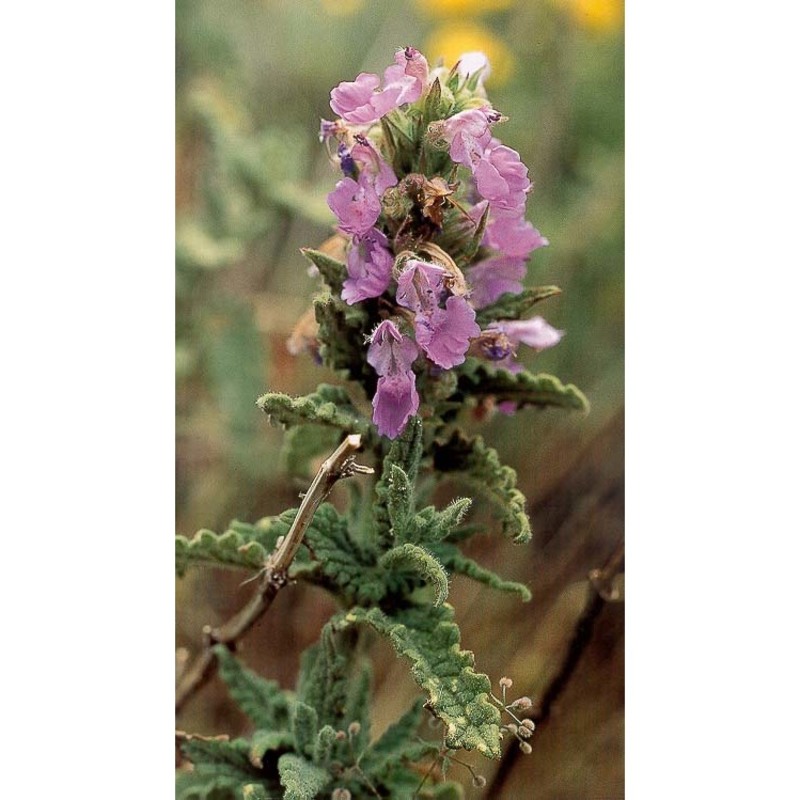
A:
(332, 270)
(515, 306)
(398, 743)
(305, 727)
(481, 466)
(263, 742)
(417, 559)
(255, 791)
(458, 695)
(328, 405)
(220, 767)
(301, 779)
(405, 454)
(341, 335)
(454, 561)
(262, 700)
(431, 525)
(229, 549)
(523, 388)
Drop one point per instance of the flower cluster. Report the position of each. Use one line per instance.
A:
(432, 205)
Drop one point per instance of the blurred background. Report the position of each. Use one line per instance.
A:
(253, 79)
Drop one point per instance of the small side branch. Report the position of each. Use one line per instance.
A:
(275, 575)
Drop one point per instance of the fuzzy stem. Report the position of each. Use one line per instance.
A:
(340, 464)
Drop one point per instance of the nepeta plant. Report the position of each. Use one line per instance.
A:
(422, 308)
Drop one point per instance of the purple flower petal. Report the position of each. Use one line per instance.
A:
(356, 205)
(513, 235)
(468, 134)
(369, 267)
(535, 332)
(390, 352)
(493, 277)
(372, 166)
(445, 334)
(395, 402)
(420, 286)
(352, 100)
(410, 73)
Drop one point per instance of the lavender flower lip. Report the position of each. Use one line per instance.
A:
(432, 205)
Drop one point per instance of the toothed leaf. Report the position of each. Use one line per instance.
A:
(332, 270)
(328, 405)
(412, 557)
(481, 466)
(305, 727)
(455, 562)
(263, 742)
(523, 388)
(301, 779)
(229, 549)
(220, 768)
(262, 700)
(405, 453)
(458, 695)
(515, 306)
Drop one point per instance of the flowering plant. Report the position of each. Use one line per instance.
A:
(423, 307)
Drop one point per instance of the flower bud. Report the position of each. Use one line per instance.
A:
(526, 748)
(522, 703)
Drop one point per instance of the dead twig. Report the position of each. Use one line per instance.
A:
(340, 464)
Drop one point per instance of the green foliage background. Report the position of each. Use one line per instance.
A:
(252, 82)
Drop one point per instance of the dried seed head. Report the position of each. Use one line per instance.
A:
(506, 683)
(522, 702)
(479, 781)
(526, 748)
(354, 728)
(529, 724)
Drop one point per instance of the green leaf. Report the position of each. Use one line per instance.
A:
(523, 388)
(453, 560)
(357, 707)
(515, 306)
(230, 549)
(305, 442)
(220, 767)
(324, 744)
(262, 700)
(342, 332)
(431, 526)
(263, 742)
(481, 466)
(417, 559)
(328, 405)
(399, 501)
(243, 545)
(404, 453)
(305, 727)
(397, 743)
(458, 695)
(332, 270)
(301, 779)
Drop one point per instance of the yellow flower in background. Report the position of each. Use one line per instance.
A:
(341, 8)
(455, 38)
(446, 8)
(599, 15)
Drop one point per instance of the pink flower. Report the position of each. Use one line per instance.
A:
(420, 286)
(371, 166)
(445, 334)
(360, 102)
(369, 267)
(493, 277)
(356, 205)
(535, 332)
(395, 402)
(513, 235)
(390, 351)
(468, 134)
(502, 178)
